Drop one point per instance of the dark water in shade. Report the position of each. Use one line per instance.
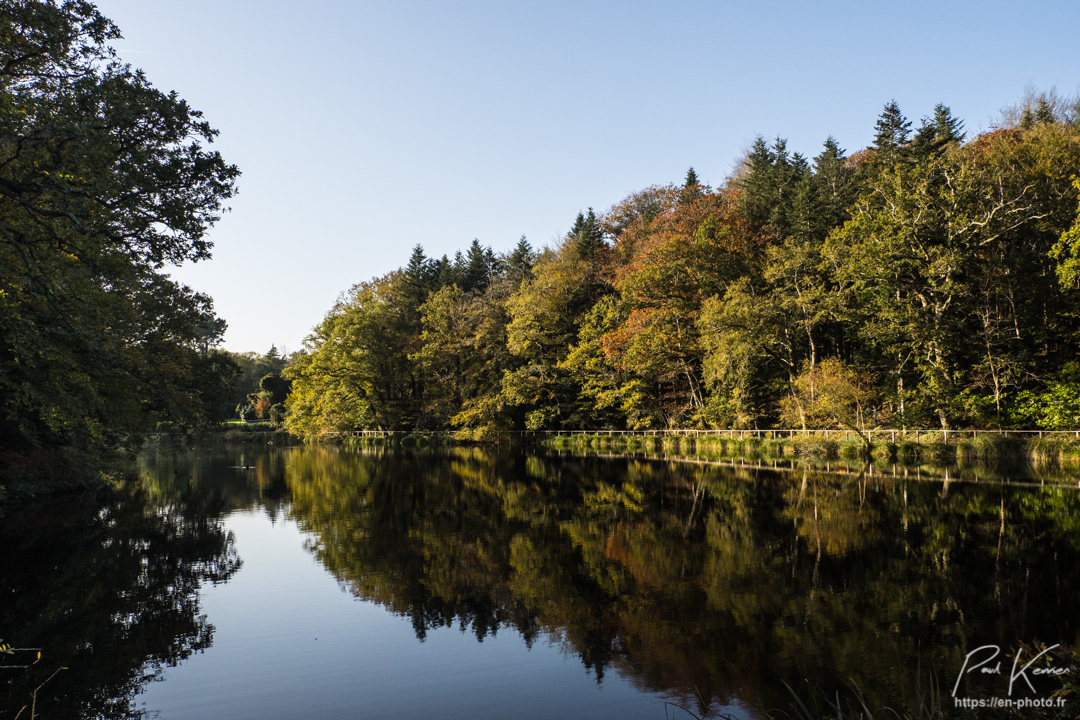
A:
(471, 583)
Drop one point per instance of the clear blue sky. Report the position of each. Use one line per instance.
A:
(365, 128)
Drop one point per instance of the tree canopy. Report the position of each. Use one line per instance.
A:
(104, 181)
(929, 280)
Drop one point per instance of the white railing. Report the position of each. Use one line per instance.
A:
(876, 435)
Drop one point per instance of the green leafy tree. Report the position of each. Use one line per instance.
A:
(1054, 406)
(683, 256)
(103, 181)
(946, 249)
(544, 317)
(1067, 251)
(354, 372)
(830, 394)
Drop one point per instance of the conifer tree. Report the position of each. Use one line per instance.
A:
(692, 189)
(757, 183)
(1044, 111)
(476, 274)
(1027, 119)
(834, 181)
(419, 277)
(949, 128)
(938, 132)
(444, 273)
(893, 131)
(586, 235)
(771, 184)
(520, 261)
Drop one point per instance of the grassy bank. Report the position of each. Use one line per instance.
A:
(1055, 451)
(262, 433)
(410, 440)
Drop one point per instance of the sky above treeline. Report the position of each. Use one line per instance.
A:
(365, 128)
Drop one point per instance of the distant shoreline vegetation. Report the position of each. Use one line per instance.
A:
(927, 281)
(1003, 452)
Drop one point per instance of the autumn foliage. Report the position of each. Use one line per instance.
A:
(916, 280)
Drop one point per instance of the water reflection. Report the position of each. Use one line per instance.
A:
(711, 584)
(107, 587)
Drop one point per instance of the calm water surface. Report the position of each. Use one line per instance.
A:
(470, 583)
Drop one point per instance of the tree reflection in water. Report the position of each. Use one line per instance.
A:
(708, 583)
(107, 587)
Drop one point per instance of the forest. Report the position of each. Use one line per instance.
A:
(929, 280)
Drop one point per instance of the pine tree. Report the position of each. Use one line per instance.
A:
(1044, 111)
(419, 277)
(771, 184)
(835, 186)
(457, 269)
(444, 272)
(949, 128)
(587, 235)
(804, 217)
(475, 275)
(1027, 119)
(757, 182)
(692, 189)
(893, 131)
(494, 263)
(936, 133)
(520, 261)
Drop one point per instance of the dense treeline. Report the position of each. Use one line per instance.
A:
(928, 280)
(104, 180)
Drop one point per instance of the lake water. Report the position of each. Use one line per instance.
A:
(478, 583)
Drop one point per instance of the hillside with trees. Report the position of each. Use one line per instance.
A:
(930, 280)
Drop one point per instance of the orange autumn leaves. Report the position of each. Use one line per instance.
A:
(666, 266)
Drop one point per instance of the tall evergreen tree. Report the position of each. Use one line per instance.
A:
(692, 188)
(1044, 111)
(892, 132)
(520, 261)
(771, 184)
(1027, 118)
(444, 272)
(419, 277)
(476, 275)
(586, 235)
(938, 132)
(949, 128)
(834, 180)
(756, 182)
